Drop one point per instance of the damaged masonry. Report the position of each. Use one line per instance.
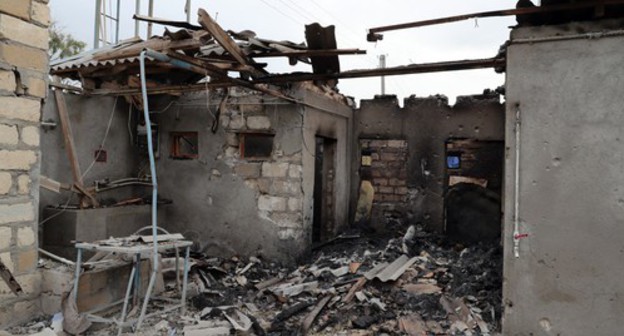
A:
(175, 186)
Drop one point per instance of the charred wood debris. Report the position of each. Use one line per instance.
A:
(414, 283)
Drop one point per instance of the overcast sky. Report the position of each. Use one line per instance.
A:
(285, 20)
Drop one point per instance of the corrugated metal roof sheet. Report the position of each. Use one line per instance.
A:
(390, 272)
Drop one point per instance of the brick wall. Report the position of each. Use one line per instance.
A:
(23, 86)
(389, 177)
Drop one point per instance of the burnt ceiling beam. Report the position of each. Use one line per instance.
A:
(393, 71)
(373, 33)
(311, 53)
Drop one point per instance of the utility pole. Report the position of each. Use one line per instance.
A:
(382, 65)
(187, 10)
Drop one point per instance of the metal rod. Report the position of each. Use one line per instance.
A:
(117, 21)
(516, 231)
(96, 27)
(185, 281)
(137, 11)
(504, 12)
(77, 274)
(152, 161)
(124, 310)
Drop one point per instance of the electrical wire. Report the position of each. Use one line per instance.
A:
(281, 12)
(108, 127)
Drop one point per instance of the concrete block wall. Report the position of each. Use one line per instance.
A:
(426, 124)
(277, 181)
(23, 88)
(567, 83)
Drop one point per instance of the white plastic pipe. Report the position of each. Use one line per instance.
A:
(516, 231)
(152, 161)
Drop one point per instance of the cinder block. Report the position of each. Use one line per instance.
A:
(6, 235)
(18, 108)
(23, 32)
(7, 78)
(8, 135)
(57, 281)
(287, 220)
(23, 184)
(40, 13)
(19, 8)
(17, 160)
(258, 123)
(51, 304)
(295, 204)
(6, 181)
(237, 122)
(30, 135)
(295, 171)
(26, 261)
(24, 57)
(34, 86)
(12, 213)
(248, 170)
(274, 169)
(271, 203)
(26, 236)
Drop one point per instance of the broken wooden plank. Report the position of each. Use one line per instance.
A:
(355, 288)
(7, 276)
(161, 237)
(52, 185)
(309, 320)
(291, 311)
(222, 37)
(68, 137)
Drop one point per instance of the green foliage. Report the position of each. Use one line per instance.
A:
(63, 45)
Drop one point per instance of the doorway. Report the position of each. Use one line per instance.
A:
(474, 177)
(323, 225)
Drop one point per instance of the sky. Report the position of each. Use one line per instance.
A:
(285, 20)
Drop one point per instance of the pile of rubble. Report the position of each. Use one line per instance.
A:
(417, 284)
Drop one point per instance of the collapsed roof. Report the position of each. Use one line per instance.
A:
(211, 52)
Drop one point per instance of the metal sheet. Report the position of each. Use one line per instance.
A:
(391, 272)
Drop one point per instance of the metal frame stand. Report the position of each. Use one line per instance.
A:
(137, 251)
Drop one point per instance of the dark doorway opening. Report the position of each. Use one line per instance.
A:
(474, 178)
(323, 225)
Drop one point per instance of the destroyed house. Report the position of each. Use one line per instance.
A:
(175, 185)
(237, 166)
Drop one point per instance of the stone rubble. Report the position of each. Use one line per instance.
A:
(448, 290)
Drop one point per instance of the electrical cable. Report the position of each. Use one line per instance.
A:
(108, 127)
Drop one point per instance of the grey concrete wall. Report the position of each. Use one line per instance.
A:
(232, 205)
(89, 117)
(567, 279)
(329, 117)
(426, 124)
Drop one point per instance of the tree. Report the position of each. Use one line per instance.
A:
(63, 45)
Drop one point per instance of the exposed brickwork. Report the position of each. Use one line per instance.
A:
(24, 64)
(276, 180)
(389, 177)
